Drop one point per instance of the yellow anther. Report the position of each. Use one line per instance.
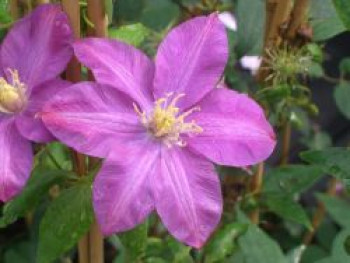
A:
(12, 95)
(164, 123)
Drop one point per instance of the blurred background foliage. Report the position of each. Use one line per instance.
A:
(304, 200)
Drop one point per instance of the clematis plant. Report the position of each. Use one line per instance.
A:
(160, 125)
(33, 54)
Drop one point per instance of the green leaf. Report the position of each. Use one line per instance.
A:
(38, 185)
(135, 242)
(133, 34)
(109, 10)
(5, 17)
(315, 70)
(21, 252)
(256, 245)
(66, 220)
(324, 20)
(319, 141)
(291, 179)
(159, 14)
(287, 208)
(251, 26)
(128, 10)
(342, 98)
(344, 66)
(313, 253)
(338, 209)
(343, 9)
(181, 253)
(334, 161)
(222, 243)
(168, 250)
(294, 256)
(339, 253)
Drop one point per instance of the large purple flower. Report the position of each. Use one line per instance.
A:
(33, 54)
(160, 126)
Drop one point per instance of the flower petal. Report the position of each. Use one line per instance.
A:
(28, 122)
(122, 195)
(235, 130)
(191, 59)
(187, 196)
(38, 46)
(119, 65)
(93, 119)
(16, 158)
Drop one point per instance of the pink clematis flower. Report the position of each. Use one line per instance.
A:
(33, 54)
(160, 126)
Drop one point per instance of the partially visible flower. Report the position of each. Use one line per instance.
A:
(228, 20)
(251, 63)
(33, 54)
(160, 126)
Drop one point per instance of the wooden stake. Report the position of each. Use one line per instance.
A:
(73, 73)
(14, 9)
(97, 15)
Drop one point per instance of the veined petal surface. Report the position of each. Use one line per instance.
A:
(118, 65)
(93, 119)
(235, 129)
(39, 45)
(122, 192)
(191, 59)
(28, 122)
(187, 195)
(16, 159)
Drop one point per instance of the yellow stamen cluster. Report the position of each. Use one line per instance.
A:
(166, 123)
(12, 95)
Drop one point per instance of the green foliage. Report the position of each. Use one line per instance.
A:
(333, 161)
(21, 252)
(133, 34)
(168, 250)
(343, 9)
(339, 253)
(223, 243)
(291, 179)
(135, 242)
(344, 66)
(66, 220)
(324, 20)
(251, 26)
(337, 208)
(37, 187)
(342, 98)
(287, 208)
(256, 245)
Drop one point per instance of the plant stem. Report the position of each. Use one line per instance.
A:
(14, 9)
(277, 15)
(320, 213)
(255, 187)
(287, 131)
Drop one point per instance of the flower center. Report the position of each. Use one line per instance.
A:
(165, 121)
(12, 94)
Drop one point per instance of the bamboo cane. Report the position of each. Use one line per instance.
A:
(73, 73)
